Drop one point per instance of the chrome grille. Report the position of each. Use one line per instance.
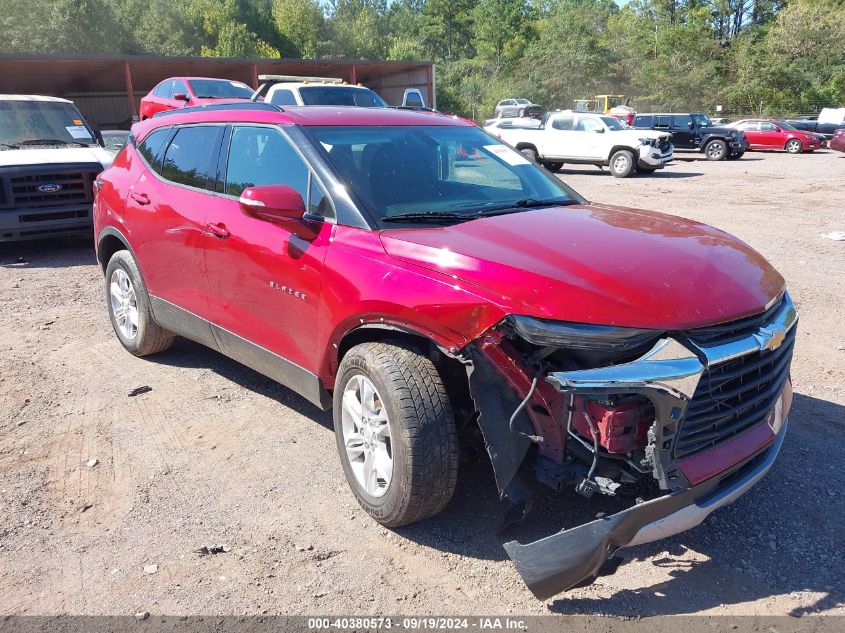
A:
(734, 396)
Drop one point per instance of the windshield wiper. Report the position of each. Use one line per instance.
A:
(51, 141)
(525, 203)
(427, 216)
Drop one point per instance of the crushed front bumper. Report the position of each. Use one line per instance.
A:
(561, 561)
(699, 482)
(651, 157)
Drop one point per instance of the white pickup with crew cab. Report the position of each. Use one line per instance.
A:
(586, 138)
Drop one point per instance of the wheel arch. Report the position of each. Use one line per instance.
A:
(617, 148)
(525, 145)
(109, 242)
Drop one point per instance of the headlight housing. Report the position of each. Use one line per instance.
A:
(581, 336)
(649, 141)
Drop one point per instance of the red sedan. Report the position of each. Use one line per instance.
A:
(838, 140)
(771, 134)
(178, 92)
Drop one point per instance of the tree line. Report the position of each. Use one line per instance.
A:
(750, 56)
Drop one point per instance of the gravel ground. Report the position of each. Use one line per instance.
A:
(216, 454)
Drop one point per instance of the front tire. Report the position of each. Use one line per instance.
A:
(794, 146)
(129, 308)
(530, 153)
(716, 150)
(622, 163)
(395, 432)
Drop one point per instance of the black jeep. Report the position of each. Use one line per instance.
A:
(694, 132)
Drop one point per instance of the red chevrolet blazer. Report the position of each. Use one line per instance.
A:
(427, 282)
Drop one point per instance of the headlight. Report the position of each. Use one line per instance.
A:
(649, 141)
(581, 335)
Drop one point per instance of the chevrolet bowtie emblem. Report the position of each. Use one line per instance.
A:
(770, 340)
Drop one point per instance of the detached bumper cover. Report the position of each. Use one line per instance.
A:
(653, 158)
(561, 561)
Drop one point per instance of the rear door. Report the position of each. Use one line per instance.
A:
(751, 129)
(166, 214)
(557, 139)
(264, 279)
(683, 133)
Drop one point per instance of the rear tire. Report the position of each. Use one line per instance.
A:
(716, 150)
(406, 422)
(622, 163)
(129, 308)
(794, 146)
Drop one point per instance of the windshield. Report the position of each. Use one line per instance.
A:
(435, 171)
(787, 126)
(701, 120)
(220, 89)
(42, 123)
(341, 96)
(612, 123)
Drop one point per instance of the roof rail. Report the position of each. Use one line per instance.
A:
(249, 105)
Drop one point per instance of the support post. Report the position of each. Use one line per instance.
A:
(130, 93)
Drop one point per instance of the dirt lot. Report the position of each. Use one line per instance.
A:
(217, 454)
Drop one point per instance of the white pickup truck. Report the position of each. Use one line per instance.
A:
(49, 158)
(585, 138)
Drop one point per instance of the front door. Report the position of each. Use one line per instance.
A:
(265, 279)
(683, 134)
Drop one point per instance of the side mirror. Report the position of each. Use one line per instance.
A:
(181, 96)
(278, 204)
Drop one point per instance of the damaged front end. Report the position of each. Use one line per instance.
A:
(696, 417)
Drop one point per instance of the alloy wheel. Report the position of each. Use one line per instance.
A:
(366, 435)
(715, 151)
(124, 303)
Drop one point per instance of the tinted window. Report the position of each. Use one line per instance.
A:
(414, 99)
(340, 96)
(262, 156)
(220, 89)
(661, 121)
(681, 121)
(187, 160)
(562, 123)
(644, 121)
(164, 89)
(179, 86)
(282, 98)
(152, 148)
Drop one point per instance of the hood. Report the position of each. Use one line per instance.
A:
(55, 156)
(598, 264)
(636, 133)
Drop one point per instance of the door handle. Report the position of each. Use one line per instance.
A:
(217, 230)
(140, 198)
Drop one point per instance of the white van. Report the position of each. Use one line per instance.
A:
(49, 158)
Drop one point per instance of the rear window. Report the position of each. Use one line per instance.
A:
(681, 121)
(341, 96)
(282, 97)
(152, 148)
(662, 121)
(187, 160)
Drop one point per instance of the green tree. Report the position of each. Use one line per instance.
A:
(302, 23)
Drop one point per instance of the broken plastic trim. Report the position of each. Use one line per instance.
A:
(563, 560)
